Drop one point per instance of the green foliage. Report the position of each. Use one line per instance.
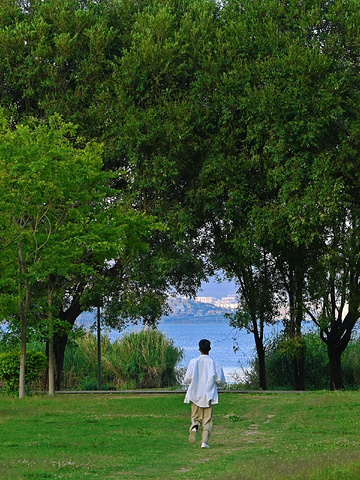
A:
(145, 359)
(70, 230)
(350, 362)
(236, 124)
(279, 353)
(293, 347)
(80, 363)
(36, 363)
(68, 216)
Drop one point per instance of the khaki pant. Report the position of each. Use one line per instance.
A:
(203, 417)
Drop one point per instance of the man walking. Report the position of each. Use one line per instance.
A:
(203, 374)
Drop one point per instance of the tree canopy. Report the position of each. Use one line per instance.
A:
(233, 125)
(62, 224)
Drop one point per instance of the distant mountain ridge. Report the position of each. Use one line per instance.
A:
(184, 310)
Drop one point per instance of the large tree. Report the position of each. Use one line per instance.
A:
(61, 223)
(292, 121)
(232, 125)
(235, 124)
(81, 59)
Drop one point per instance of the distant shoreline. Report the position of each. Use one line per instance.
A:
(89, 318)
(193, 319)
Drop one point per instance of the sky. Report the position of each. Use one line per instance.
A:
(217, 290)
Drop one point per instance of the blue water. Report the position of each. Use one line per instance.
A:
(222, 338)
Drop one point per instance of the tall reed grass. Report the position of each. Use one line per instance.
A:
(145, 359)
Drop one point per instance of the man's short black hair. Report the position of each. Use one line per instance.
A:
(204, 346)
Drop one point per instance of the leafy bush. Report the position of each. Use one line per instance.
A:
(36, 363)
(350, 362)
(280, 351)
(278, 360)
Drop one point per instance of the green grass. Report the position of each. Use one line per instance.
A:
(274, 436)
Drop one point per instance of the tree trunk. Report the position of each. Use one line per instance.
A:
(58, 347)
(295, 288)
(262, 368)
(22, 358)
(336, 376)
(99, 375)
(260, 350)
(298, 365)
(60, 341)
(52, 366)
(337, 339)
(258, 332)
(301, 366)
(23, 309)
(52, 363)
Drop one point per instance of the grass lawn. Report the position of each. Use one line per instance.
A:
(256, 436)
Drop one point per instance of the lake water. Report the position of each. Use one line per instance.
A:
(222, 338)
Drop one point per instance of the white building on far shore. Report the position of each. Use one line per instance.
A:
(210, 300)
(227, 302)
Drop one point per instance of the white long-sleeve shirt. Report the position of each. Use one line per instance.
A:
(203, 374)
